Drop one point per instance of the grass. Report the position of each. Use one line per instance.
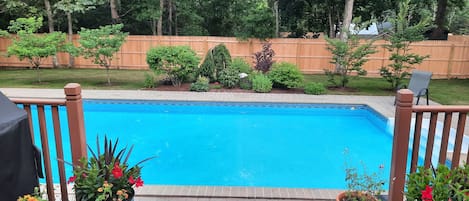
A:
(444, 91)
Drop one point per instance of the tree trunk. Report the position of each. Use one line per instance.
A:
(439, 31)
(347, 20)
(331, 24)
(160, 19)
(277, 17)
(170, 17)
(114, 14)
(175, 20)
(50, 22)
(153, 26)
(71, 60)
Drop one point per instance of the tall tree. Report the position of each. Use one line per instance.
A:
(114, 12)
(160, 19)
(50, 23)
(347, 20)
(74, 6)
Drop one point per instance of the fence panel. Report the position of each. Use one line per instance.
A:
(448, 59)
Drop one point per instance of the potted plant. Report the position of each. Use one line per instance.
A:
(36, 196)
(106, 176)
(438, 184)
(362, 186)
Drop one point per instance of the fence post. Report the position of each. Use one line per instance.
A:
(76, 123)
(400, 146)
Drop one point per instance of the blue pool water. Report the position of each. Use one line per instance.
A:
(242, 144)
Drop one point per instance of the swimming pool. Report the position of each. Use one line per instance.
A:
(243, 144)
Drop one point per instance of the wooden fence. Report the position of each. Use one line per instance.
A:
(448, 59)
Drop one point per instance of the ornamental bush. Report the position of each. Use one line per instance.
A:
(241, 65)
(201, 85)
(286, 75)
(245, 83)
(315, 88)
(229, 77)
(178, 62)
(216, 60)
(261, 83)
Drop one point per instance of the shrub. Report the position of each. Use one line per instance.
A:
(245, 83)
(207, 68)
(315, 88)
(229, 77)
(149, 81)
(201, 85)
(241, 65)
(286, 75)
(261, 84)
(176, 61)
(216, 60)
(263, 59)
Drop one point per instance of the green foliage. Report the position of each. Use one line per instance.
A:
(33, 47)
(315, 88)
(216, 60)
(259, 23)
(176, 61)
(399, 40)
(361, 183)
(261, 83)
(443, 183)
(349, 56)
(264, 59)
(286, 75)
(241, 65)
(101, 44)
(149, 81)
(245, 83)
(229, 77)
(201, 85)
(207, 68)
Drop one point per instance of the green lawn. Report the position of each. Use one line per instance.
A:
(453, 91)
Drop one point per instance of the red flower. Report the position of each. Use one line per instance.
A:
(427, 194)
(131, 180)
(71, 179)
(139, 182)
(117, 171)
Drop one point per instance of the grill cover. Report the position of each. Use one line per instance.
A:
(18, 156)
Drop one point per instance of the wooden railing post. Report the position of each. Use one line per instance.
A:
(400, 146)
(76, 123)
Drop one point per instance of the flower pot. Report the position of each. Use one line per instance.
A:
(345, 196)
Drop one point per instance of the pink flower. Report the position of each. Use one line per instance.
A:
(71, 179)
(117, 171)
(427, 194)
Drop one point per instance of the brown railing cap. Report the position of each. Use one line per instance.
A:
(72, 89)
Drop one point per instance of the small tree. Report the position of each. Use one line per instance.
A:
(33, 47)
(349, 56)
(176, 61)
(399, 44)
(263, 59)
(101, 44)
(216, 60)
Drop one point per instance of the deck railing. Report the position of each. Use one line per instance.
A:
(74, 107)
(405, 111)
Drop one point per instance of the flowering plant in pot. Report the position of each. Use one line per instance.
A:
(106, 176)
(361, 185)
(429, 184)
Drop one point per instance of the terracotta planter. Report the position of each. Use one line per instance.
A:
(342, 196)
